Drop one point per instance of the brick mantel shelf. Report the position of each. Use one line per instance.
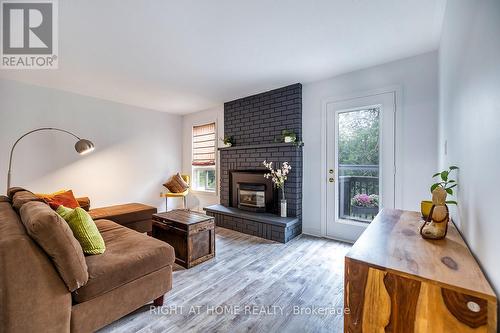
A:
(265, 145)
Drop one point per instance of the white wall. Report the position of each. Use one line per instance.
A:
(136, 149)
(469, 59)
(417, 77)
(198, 200)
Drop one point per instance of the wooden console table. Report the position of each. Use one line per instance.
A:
(395, 281)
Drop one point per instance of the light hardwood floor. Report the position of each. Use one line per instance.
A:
(252, 285)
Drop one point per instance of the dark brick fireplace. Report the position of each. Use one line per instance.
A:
(256, 123)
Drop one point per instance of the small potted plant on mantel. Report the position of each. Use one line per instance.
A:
(227, 140)
(289, 136)
(279, 176)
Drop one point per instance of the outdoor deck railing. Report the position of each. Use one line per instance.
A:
(357, 179)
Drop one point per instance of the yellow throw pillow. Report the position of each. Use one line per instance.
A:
(84, 229)
(49, 195)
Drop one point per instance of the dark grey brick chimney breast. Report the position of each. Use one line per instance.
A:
(259, 119)
(256, 123)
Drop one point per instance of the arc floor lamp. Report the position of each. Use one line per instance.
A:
(82, 146)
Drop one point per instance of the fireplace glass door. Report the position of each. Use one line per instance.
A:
(252, 197)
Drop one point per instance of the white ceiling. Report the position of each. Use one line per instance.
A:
(185, 56)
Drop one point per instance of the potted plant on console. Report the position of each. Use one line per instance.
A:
(446, 182)
(279, 176)
(435, 223)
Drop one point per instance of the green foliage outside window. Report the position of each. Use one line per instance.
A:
(358, 141)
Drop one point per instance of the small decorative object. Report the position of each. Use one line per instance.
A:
(227, 140)
(279, 176)
(435, 225)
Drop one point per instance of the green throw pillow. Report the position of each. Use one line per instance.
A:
(84, 229)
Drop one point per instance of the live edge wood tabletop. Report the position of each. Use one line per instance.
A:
(395, 281)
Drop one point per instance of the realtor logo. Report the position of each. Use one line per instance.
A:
(29, 34)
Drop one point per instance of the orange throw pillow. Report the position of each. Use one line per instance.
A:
(66, 199)
(176, 184)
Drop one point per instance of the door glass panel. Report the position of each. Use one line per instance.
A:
(358, 164)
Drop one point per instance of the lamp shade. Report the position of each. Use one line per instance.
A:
(84, 146)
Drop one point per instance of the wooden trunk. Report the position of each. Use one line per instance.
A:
(395, 281)
(191, 234)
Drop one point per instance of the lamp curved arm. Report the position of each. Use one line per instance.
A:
(26, 134)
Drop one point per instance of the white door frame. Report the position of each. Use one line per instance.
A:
(398, 152)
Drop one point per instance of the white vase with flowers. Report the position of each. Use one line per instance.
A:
(278, 177)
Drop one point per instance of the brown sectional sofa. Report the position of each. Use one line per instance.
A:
(35, 297)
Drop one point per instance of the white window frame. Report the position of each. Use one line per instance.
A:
(215, 167)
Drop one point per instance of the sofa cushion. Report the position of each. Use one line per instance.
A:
(123, 214)
(13, 190)
(55, 237)
(84, 229)
(21, 197)
(66, 199)
(129, 255)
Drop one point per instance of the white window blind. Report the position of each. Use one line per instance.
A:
(204, 145)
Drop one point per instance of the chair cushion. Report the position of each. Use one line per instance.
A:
(129, 255)
(123, 214)
(55, 237)
(84, 229)
(176, 195)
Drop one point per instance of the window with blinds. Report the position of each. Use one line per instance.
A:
(204, 150)
(204, 145)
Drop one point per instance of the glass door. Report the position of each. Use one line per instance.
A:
(360, 158)
(357, 163)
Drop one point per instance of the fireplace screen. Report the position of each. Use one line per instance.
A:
(252, 197)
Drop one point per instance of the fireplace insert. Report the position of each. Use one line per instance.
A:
(252, 197)
(251, 191)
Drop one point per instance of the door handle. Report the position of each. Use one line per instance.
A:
(331, 180)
